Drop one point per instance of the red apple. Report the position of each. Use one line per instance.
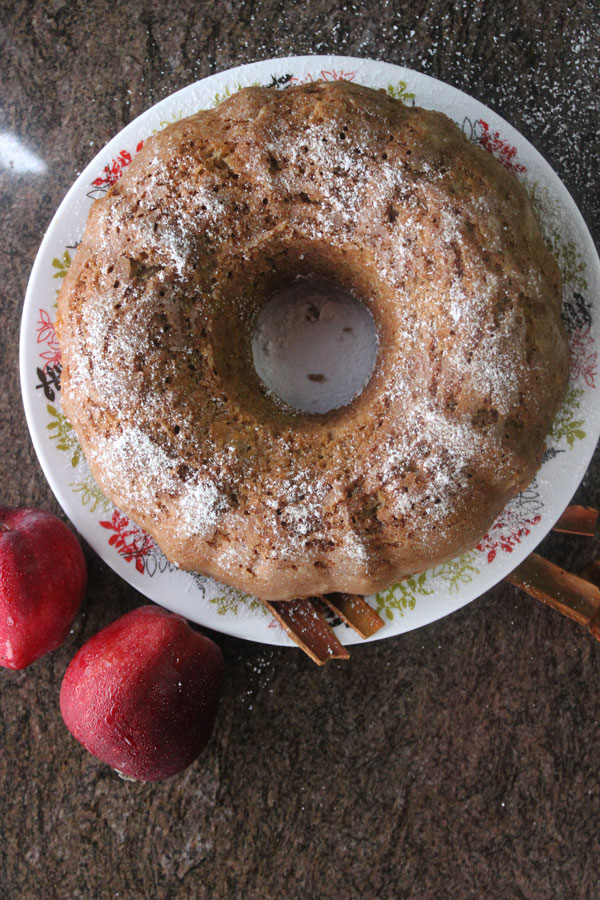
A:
(42, 583)
(142, 694)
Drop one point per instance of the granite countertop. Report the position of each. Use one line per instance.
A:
(460, 760)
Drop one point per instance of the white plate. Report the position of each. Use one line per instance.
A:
(415, 601)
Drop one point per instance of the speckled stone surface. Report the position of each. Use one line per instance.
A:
(462, 760)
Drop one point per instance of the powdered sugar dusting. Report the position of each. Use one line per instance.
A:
(148, 472)
(200, 508)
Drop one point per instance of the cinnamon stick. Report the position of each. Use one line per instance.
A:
(355, 612)
(569, 594)
(578, 520)
(592, 572)
(307, 627)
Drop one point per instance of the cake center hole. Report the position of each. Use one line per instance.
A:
(315, 346)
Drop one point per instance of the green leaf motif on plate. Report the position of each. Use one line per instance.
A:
(62, 265)
(228, 92)
(402, 596)
(61, 431)
(175, 117)
(399, 91)
(457, 571)
(231, 601)
(570, 260)
(90, 495)
(565, 425)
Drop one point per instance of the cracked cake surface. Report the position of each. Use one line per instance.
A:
(214, 216)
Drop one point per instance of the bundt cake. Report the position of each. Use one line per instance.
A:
(217, 214)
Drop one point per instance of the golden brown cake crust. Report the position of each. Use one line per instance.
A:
(156, 316)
